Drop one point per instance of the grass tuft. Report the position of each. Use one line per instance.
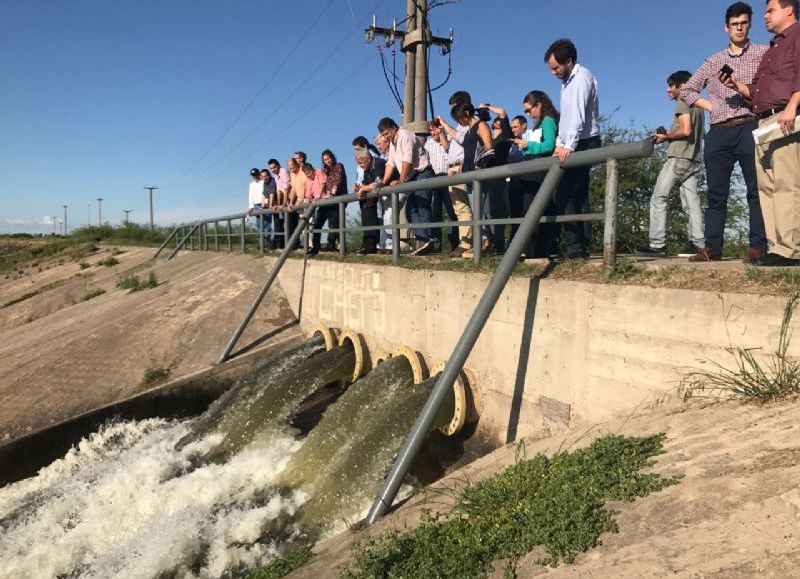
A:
(109, 262)
(556, 503)
(91, 294)
(282, 566)
(153, 376)
(776, 377)
(133, 283)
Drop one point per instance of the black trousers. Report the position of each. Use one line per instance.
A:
(329, 214)
(572, 198)
(369, 218)
(547, 238)
(724, 147)
(441, 203)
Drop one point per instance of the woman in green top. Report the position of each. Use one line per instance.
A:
(538, 106)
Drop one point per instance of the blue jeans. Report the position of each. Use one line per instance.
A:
(267, 226)
(683, 173)
(418, 207)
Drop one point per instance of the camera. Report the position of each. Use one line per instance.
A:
(726, 70)
(659, 131)
(483, 114)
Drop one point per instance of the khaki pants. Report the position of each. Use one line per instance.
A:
(463, 211)
(778, 173)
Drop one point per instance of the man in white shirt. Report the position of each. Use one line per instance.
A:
(578, 130)
(256, 201)
(409, 157)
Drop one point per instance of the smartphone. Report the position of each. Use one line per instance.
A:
(726, 70)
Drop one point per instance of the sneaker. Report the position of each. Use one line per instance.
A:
(690, 250)
(467, 254)
(775, 260)
(424, 249)
(705, 254)
(649, 251)
(753, 255)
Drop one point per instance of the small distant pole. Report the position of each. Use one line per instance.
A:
(55, 223)
(126, 212)
(65, 220)
(151, 188)
(100, 211)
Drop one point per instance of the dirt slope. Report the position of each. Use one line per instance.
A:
(735, 514)
(60, 356)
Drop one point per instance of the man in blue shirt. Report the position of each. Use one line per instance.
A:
(578, 130)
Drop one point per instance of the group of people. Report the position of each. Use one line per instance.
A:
(748, 86)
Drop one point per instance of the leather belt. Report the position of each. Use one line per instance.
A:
(769, 112)
(735, 121)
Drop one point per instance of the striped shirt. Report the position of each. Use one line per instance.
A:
(726, 103)
(437, 155)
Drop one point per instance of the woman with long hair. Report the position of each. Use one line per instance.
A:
(335, 184)
(538, 106)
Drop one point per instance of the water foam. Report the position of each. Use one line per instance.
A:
(125, 503)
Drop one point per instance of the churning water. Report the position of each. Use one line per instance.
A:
(215, 495)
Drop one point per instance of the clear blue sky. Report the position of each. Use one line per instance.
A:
(101, 98)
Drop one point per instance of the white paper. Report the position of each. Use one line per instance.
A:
(772, 132)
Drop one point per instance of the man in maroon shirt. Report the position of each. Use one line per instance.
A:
(775, 95)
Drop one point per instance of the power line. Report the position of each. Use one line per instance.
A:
(288, 98)
(249, 105)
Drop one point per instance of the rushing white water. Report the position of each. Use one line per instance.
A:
(126, 504)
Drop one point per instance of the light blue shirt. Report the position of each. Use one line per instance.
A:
(579, 108)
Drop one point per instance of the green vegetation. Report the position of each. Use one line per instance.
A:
(91, 294)
(126, 234)
(778, 376)
(16, 255)
(133, 283)
(109, 262)
(153, 376)
(556, 503)
(282, 566)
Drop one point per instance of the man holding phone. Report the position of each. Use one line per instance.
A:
(730, 139)
(775, 96)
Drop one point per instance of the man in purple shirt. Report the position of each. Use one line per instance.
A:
(775, 95)
(730, 138)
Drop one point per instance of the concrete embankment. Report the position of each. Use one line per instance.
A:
(552, 352)
(61, 357)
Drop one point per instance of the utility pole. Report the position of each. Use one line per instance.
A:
(151, 188)
(126, 212)
(65, 220)
(100, 211)
(415, 40)
(55, 223)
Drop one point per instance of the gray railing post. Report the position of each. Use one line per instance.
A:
(395, 230)
(216, 236)
(261, 231)
(244, 219)
(301, 227)
(464, 346)
(477, 245)
(342, 241)
(167, 240)
(230, 247)
(610, 224)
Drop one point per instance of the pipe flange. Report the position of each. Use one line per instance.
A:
(460, 402)
(328, 334)
(380, 357)
(416, 360)
(360, 350)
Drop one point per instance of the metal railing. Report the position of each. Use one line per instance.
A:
(206, 233)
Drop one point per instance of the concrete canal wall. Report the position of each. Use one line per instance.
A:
(552, 352)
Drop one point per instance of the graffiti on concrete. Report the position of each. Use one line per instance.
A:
(352, 297)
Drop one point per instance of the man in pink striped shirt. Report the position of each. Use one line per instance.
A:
(730, 139)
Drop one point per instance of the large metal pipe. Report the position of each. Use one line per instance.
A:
(301, 225)
(464, 346)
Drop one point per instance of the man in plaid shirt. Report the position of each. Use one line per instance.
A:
(730, 139)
